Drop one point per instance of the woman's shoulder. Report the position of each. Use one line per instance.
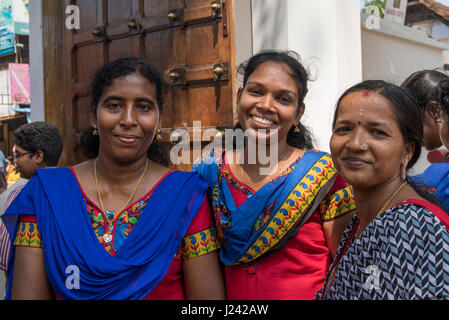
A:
(207, 165)
(417, 217)
(51, 173)
(322, 159)
(210, 157)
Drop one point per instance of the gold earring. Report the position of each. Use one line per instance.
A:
(95, 131)
(158, 135)
(297, 130)
(404, 171)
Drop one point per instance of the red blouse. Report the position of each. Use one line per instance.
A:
(295, 272)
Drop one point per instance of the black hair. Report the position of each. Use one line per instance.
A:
(409, 119)
(444, 96)
(423, 86)
(103, 78)
(302, 139)
(40, 135)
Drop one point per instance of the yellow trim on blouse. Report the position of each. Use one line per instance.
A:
(28, 235)
(337, 204)
(192, 246)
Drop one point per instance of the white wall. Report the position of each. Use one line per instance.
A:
(326, 34)
(393, 52)
(36, 62)
(244, 30)
(394, 58)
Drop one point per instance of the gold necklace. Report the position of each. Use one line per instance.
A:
(107, 237)
(383, 207)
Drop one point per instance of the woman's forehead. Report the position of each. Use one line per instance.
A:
(367, 103)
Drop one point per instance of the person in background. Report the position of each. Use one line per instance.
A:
(436, 177)
(37, 145)
(395, 247)
(12, 173)
(278, 229)
(424, 87)
(3, 164)
(119, 219)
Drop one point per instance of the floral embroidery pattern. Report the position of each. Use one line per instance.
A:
(337, 204)
(122, 227)
(199, 244)
(293, 208)
(28, 235)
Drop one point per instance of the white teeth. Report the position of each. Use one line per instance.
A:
(262, 120)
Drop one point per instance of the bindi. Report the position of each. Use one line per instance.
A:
(361, 112)
(366, 93)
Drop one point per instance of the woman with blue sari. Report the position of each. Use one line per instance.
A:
(278, 230)
(115, 227)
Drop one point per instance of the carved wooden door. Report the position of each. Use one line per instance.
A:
(190, 41)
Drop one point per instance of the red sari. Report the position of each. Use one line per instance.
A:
(295, 272)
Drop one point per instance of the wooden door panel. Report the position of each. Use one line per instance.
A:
(121, 18)
(158, 8)
(122, 48)
(193, 4)
(92, 15)
(163, 50)
(121, 11)
(86, 60)
(201, 39)
(81, 108)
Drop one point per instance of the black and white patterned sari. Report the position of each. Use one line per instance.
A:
(403, 254)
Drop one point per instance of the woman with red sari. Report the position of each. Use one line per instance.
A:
(278, 230)
(119, 226)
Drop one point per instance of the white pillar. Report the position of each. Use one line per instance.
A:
(36, 62)
(326, 34)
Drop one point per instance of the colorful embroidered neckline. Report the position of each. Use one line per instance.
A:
(226, 172)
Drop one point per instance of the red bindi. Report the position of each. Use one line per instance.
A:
(366, 93)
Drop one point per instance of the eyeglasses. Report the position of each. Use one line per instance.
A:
(17, 155)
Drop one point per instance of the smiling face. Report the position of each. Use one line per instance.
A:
(270, 100)
(367, 145)
(127, 117)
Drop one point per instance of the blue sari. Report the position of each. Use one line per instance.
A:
(437, 178)
(269, 218)
(54, 197)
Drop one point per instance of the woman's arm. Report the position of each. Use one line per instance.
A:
(30, 280)
(203, 278)
(333, 230)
